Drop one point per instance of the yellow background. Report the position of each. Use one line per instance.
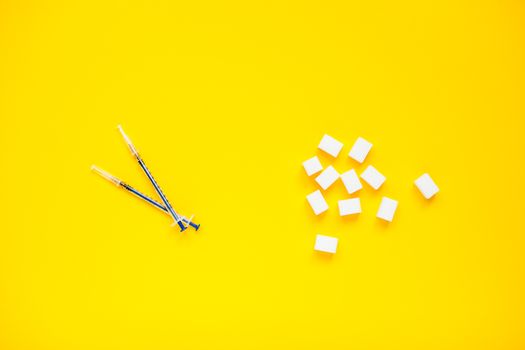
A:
(225, 100)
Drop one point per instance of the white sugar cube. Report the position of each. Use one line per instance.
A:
(327, 177)
(330, 145)
(312, 166)
(325, 244)
(373, 177)
(349, 206)
(351, 181)
(317, 202)
(360, 149)
(426, 186)
(387, 209)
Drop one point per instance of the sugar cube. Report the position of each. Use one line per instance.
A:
(349, 206)
(327, 177)
(325, 244)
(373, 177)
(330, 145)
(351, 181)
(360, 149)
(426, 186)
(317, 202)
(387, 209)
(312, 166)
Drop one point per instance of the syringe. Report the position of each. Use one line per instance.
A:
(167, 204)
(140, 195)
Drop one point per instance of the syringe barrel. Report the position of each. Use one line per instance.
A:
(170, 209)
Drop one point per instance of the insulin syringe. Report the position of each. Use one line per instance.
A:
(167, 204)
(120, 183)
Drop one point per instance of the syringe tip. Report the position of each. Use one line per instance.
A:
(105, 175)
(128, 141)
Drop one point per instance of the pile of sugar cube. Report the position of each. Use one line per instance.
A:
(352, 183)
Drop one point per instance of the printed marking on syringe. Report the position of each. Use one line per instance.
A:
(160, 192)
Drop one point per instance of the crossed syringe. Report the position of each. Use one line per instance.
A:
(182, 221)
